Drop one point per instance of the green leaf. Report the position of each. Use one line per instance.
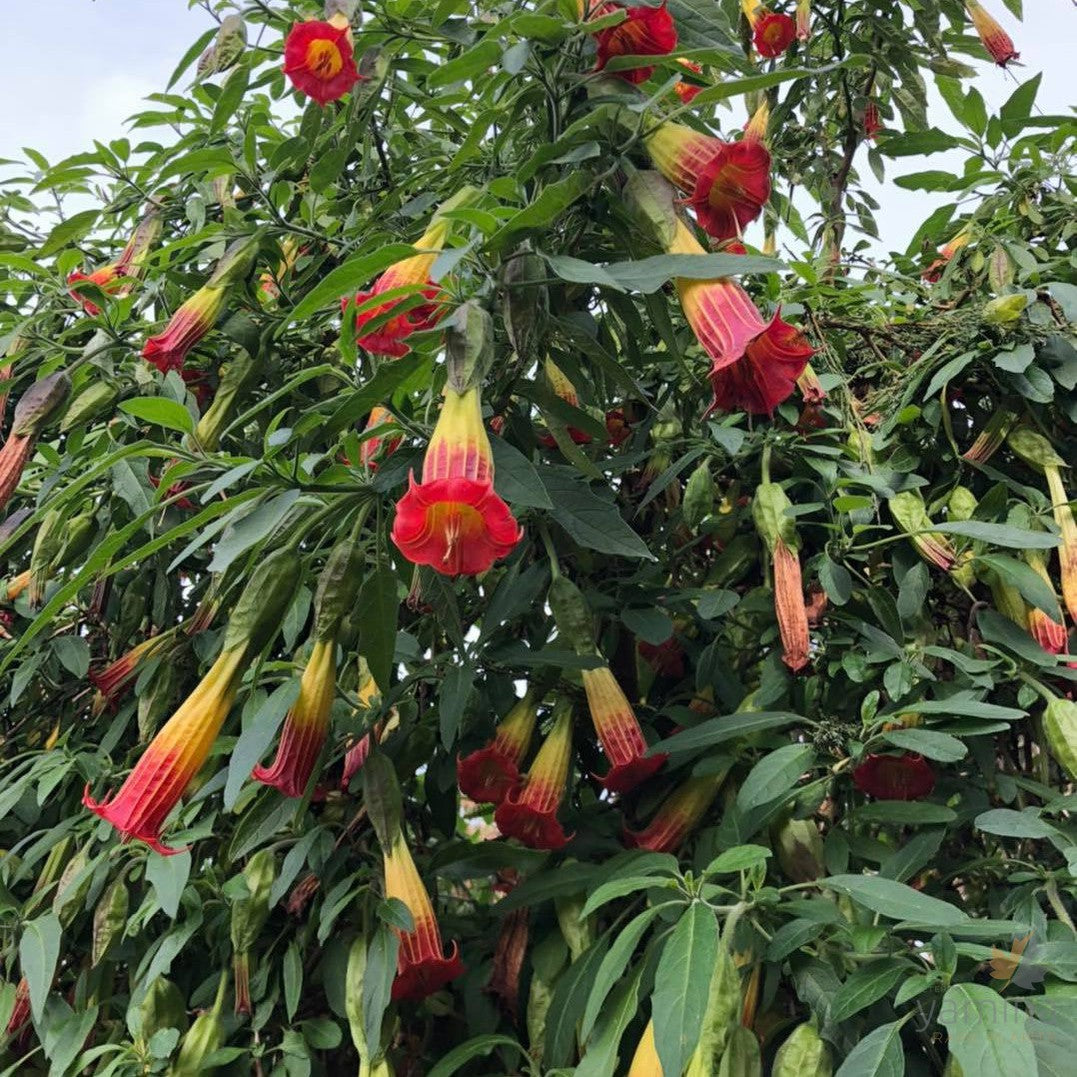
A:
(987, 1036)
(648, 275)
(231, 95)
(615, 888)
(878, 1054)
(292, 975)
(378, 978)
(251, 528)
(1015, 538)
(569, 1001)
(550, 204)
(73, 653)
(928, 743)
(905, 812)
(168, 876)
(477, 1047)
(600, 1056)
(895, 900)
(1034, 589)
(160, 411)
(39, 950)
(918, 143)
(589, 519)
(774, 775)
(467, 65)
(865, 987)
(348, 278)
(1007, 823)
(793, 936)
(681, 986)
(719, 730)
(376, 611)
(515, 478)
(456, 689)
(254, 740)
(739, 858)
(387, 379)
(66, 232)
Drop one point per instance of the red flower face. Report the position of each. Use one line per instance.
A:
(488, 775)
(773, 34)
(319, 59)
(646, 31)
(895, 777)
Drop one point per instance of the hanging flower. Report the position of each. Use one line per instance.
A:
(910, 514)
(453, 520)
(421, 965)
(382, 445)
(646, 31)
(319, 59)
(933, 272)
(811, 388)
(618, 731)
(895, 777)
(1049, 634)
(566, 391)
(755, 364)
(679, 814)
(1067, 526)
(113, 680)
(35, 409)
(772, 33)
(529, 813)
(803, 20)
(688, 91)
(509, 954)
(111, 279)
(997, 42)
(727, 183)
(305, 726)
(173, 757)
(413, 274)
(872, 123)
(13, 457)
(489, 774)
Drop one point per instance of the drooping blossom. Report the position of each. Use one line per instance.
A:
(755, 364)
(529, 813)
(618, 732)
(688, 91)
(910, 514)
(561, 385)
(305, 726)
(1048, 633)
(933, 273)
(453, 520)
(509, 953)
(646, 31)
(359, 748)
(421, 965)
(116, 278)
(489, 774)
(679, 814)
(990, 438)
(997, 42)
(37, 406)
(1067, 526)
(113, 680)
(811, 388)
(895, 777)
(772, 32)
(618, 429)
(405, 280)
(727, 183)
(319, 58)
(173, 757)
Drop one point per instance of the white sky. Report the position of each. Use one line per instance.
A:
(74, 69)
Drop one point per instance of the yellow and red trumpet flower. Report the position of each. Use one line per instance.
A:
(382, 445)
(646, 31)
(619, 732)
(679, 814)
(529, 813)
(727, 183)
(489, 774)
(115, 678)
(755, 364)
(115, 279)
(305, 726)
(566, 391)
(173, 757)
(934, 271)
(1048, 633)
(405, 280)
(421, 965)
(772, 32)
(319, 59)
(453, 520)
(688, 91)
(997, 42)
(35, 409)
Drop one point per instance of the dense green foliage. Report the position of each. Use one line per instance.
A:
(144, 507)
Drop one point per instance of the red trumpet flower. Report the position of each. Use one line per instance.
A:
(618, 731)
(489, 774)
(772, 34)
(320, 61)
(872, 123)
(453, 520)
(646, 31)
(678, 816)
(687, 91)
(895, 777)
(377, 448)
(997, 42)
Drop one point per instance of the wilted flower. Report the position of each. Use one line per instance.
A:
(489, 774)
(421, 966)
(811, 388)
(755, 364)
(997, 42)
(1048, 633)
(727, 183)
(36, 407)
(453, 520)
(646, 31)
(509, 954)
(319, 59)
(618, 731)
(679, 814)
(529, 813)
(895, 777)
(412, 274)
(789, 607)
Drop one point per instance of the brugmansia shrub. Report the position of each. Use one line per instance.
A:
(498, 577)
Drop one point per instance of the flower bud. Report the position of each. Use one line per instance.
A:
(260, 610)
(338, 585)
(525, 304)
(649, 199)
(234, 377)
(468, 345)
(910, 514)
(1034, 449)
(699, 493)
(95, 401)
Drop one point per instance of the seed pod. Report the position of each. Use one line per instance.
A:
(699, 493)
(649, 199)
(741, 1057)
(235, 375)
(525, 305)
(961, 504)
(261, 607)
(800, 850)
(802, 1053)
(723, 1010)
(469, 345)
(96, 400)
(109, 918)
(204, 1037)
(39, 404)
(163, 1006)
(572, 615)
(338, 585)
(1060, 729)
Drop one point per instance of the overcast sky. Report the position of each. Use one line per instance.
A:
(75, 69)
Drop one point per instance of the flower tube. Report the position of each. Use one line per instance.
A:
(319, 59)
(755, 364)
(997, 42)
(35, 408)
(933, 272)
(566, 391)
(803, 20)
(380, 446)
(114, 679)
(618, 731)
(727, 183)
(489, 774)
(421, 967)
(679, 814)
(646, 31)
(110, 278)
(910, 514)
(453, 520)
(529, 813)
(1049, 634)
(1067, 526)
